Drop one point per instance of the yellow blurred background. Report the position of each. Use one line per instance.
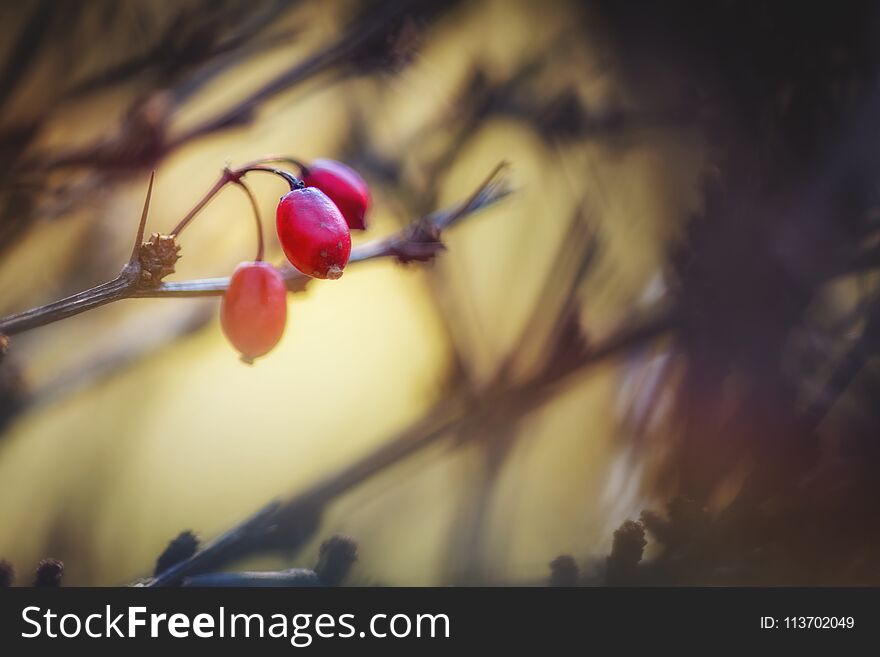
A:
(101, 472)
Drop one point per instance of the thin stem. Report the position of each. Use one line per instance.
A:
(222, 181)
(261, 247)
(286, 159)
(233, 176)
(293, 181)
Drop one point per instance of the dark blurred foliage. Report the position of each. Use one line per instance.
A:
(181, 547)
(787, 97)
(335, 559)
(564, 571)
(49, 574)
(7, 574)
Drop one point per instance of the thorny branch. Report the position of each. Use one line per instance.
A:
(187, 61)
(419, 241)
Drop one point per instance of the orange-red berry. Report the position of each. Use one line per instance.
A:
(254, 309)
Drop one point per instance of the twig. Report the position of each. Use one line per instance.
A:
(294, 577)
(119, 288)
(206, 557)
(25, 48)
(131, 149)
(419, 241)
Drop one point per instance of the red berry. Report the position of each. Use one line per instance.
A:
(254, 309)
(313, 234)
(345, 188)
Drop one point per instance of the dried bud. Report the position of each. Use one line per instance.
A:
(564, 571)
(422, 243)
(337, 556)
(4, 346)
(179, 549)
(7, 574)
(157, 256)
(49, 573)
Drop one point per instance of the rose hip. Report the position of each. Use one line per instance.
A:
(313, 233)
(254, 309)
(344, 186)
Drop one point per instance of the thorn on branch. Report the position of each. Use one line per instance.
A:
(154, 259)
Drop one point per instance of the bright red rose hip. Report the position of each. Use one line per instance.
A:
(254, 309)
(313, 233)
(345, 188)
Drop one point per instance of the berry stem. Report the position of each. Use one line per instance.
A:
(222, 181)
(234, 176)
(293, 181)
(286, 159)
(261, 247)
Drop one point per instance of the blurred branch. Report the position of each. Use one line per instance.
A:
(419, 241)
(287, 525)
(143, 139)
(25, 48)
(846, 369)
(195, 38)
(299, 577)
(191, 53)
